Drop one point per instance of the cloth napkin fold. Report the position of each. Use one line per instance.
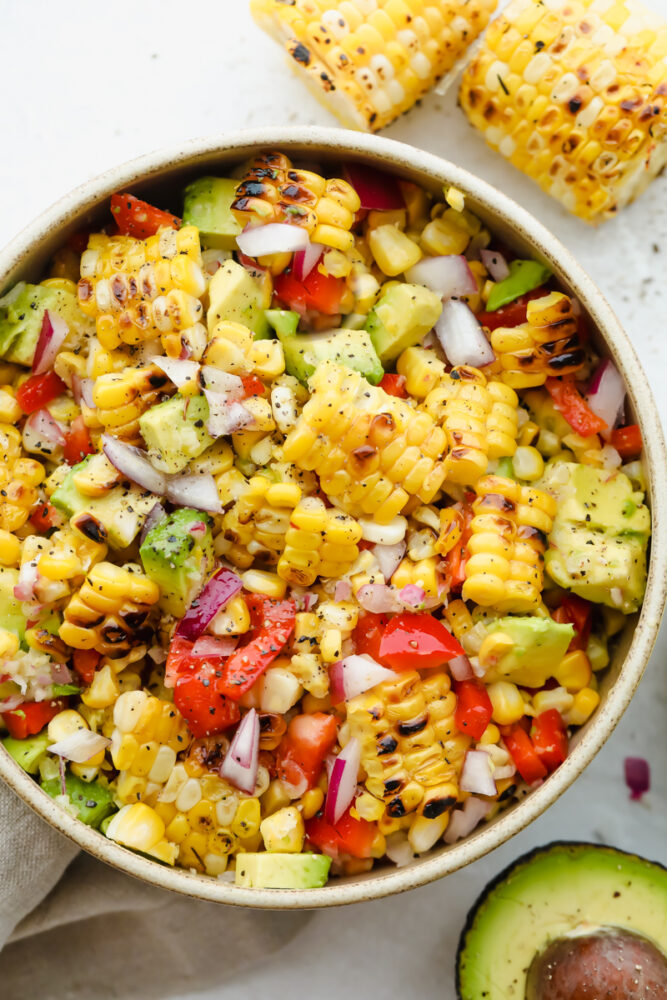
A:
(74, 928)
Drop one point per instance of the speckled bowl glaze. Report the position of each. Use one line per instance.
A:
(160, 176)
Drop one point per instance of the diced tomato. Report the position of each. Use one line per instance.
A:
(368, 633)
(349, 836)
(394, 385)
(179, 660)
(38, 390)
(513, 314)
(549, 737)
(204, 707)
(416, 642)
(473, 708)
(85, 663)
(569, 401)
(31, 717)
(627, 441)
(302, 750)
(575, 611)
(273, 622)
(139, 219)
(45, 517)
(522, 752)
(455, 561)
(253, 386)
(77, 442)
(318, 291)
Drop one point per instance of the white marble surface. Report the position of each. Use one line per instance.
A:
(89, 85)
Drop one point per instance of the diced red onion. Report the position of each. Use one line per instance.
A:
(342, 590)
(80, 746)
(356, 674)
(463, 821)
(377, 190)
(9, 704)
(637, 776)
(606, 395)
(27, 579)
(225, 416)
(59, 673)
(218, 591)
(449, 275)
(476, 774)
(44, 428)
(389, 558)
(156, 514)
(157, 654)
(86, 387)
(460, 668)
(242, 759)
(134, 463)
(51, 337)
(412, 595)
(215, 645)
(504, 771)
(223, 382)
(275, 237)
(462, 337)
(399, 849)
(177, 370)
(198, 529)
(343, 781)
(306, 259)
(297, 790)
(495, 264)
(378, 598)
(199, 492)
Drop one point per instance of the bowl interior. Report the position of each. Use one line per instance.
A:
(160, 177)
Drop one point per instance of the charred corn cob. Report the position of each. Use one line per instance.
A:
(412, 753)
(122, 397)
(19, 480)
(504, 568)
(259, 520)
(371, 451)
(319, 542)
(546, 344)
(371, 60)
(575, 95)
(110, 612)
(140, 289)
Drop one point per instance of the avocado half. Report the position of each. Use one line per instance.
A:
(560, 891)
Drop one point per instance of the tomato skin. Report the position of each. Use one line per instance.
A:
(549, 737)
(569, 401)
(38, 390)
(302, 750)
(253, 386)
(513, 314)
(417, 642)
(318, 291)
(31, 717)
(45, 517)
(198, 698)
(627, 441)
(455, 561)
(349, 836)
(273, 623)
(139, 219)
(367, 634)
(84, 662)
(394, 385)
(77, 442)
(473, 708)
(578, 612)
(522, 752)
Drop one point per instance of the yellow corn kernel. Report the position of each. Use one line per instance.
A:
(458, 618)
(10, 548)
(10, 411)
(60, 565)
(422, 370)
(493, 648)
(508, 704)
(311, 802)
(283, 831)
(584, 704)
(137, 826)
(528, 434)
(368, 807)
(260, 410)
(9, 643)
(261, 582)
(444, 236)
(574, 671)
(64, 724)
(234, 619)
(557, 698)
(103, 691)
(490, 735)
(247, 819)
(267, 358)
(392, 250)
(274, 798)
(528, 463)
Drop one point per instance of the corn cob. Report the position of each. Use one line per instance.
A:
(547, 344)
(412, 753)
(574, 94)
(259, 520)
(110, 612)
(140, 289)
(122, 397)
(19, 480)
(371, 60)
(319, 542)
(371, 451)
(420, 573)
(479, 418)
(504, 568)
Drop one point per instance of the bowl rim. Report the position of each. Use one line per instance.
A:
(405, 158)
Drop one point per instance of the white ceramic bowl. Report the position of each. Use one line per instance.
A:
(160, 176)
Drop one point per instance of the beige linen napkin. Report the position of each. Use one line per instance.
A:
(74, 929)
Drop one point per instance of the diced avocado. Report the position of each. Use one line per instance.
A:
(538, 646)
(236, 296)
(175, 431)
(401, 318)
(11, 617)
(283, 321)
(282, 871)
(562, 892)
(27, 752)
(179, 558)
(351, 348)
(92, 800)
(120, 513)
(524, 276)
(21, 315)
(597, 546)
(207, 204)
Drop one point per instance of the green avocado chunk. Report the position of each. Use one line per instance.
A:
(178, 558)
(350, 348)
(175, 431)
(539, 644)
(93, 801)
(116, 518)
(283, 321)
(11, 617)
(207, 204)
(235, 296)
(21, 314)
(597, 546)
(559, 891)
(524, 276)
(401, 318)
(282, 871)
(28, 752)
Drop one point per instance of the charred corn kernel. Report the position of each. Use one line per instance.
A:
(593, 144)
(283, 831)
(10, 548)
(10, 411)
(258, 521)
(122, 397)
(319, 542)
(267, 358)
(528, 463)
(557, 698)
(508, 704)
(233, 619)
(259, 581)
(450, 530)
(574, 671)
(137, 290)
(547, 344)
(9, 643)
(583, 705)
(392, 250)
(311, 802)
(504, 569)
(420, 573)
(371, 62)
(370, 450)
(412, 753)
(97, 477)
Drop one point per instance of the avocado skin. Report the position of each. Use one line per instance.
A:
(573, 848)
(207, 204)
(82, 794)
